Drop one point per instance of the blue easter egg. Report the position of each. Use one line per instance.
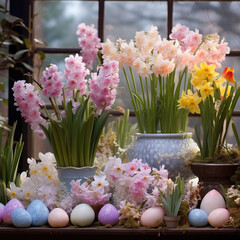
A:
(21, 218)
(39, 213)
(198, 218)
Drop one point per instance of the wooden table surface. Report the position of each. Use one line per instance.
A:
(96, 233)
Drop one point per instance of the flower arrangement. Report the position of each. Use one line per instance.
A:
(131, 181)
(74, 132)
(95, 193)
(42, 184)
(215, 100)
(162, 67)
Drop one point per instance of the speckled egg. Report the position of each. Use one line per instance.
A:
(58, 218)
(153, 217)
(39, 213)
(82, 215)
(219, 217)
(1, 212)
(211, 201)
(8, 210)
(198, 218)
(108, 215)
(21, 218)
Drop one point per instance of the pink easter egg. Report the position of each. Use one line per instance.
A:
(1, 212)
(58, 218)
(153, 217)
(219, 217)
(9, 208)
(211, 201)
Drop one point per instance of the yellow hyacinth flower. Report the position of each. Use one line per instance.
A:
(206, 90)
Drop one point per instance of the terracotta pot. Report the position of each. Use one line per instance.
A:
(213, 175)
(171, 221)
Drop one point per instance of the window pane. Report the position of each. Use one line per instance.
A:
(209, 17)
(123, 19)
(56, 21)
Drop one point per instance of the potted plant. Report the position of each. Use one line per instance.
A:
(80, 110)
(172, 202)
(10, 153)
(214, 97)
(155, 70)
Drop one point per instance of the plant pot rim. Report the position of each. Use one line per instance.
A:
(213, 164)
(164, 135)
(171, 217)
(71, 167)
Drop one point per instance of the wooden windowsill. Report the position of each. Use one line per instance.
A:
(88, 233)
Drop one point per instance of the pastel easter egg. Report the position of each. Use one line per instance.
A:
(219, 217)
(211, 201)
(82, 215)
(21, 218)
(58, 218)
(153, 217)
(108, 215)
(39, 213)
(1, 212)
(198, 218)
(9, 208)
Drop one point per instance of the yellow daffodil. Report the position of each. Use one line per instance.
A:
(206, 90)
(209, 71)
(220, 81)
(197, 82)
(223, 89)
(190, 101)
(193, 101)
(206, 73)
(183, 101)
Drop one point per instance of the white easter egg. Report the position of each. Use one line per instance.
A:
(82, 215)
(153, 217)
(219, 217)
(58, 218)
(211, 201)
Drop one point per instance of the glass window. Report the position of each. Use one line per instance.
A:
(210, 17)
(124, 18)
(56, 21)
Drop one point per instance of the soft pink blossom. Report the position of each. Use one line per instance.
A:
(89, 42)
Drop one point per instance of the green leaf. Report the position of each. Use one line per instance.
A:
(11, 19)
(41, 54)
(16, 39)
(236, 135)
(19, 54)
(39, 41)
(88, 140)
(27, 66)
(27, 43)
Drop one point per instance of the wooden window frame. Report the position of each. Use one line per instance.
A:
(26, 12)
